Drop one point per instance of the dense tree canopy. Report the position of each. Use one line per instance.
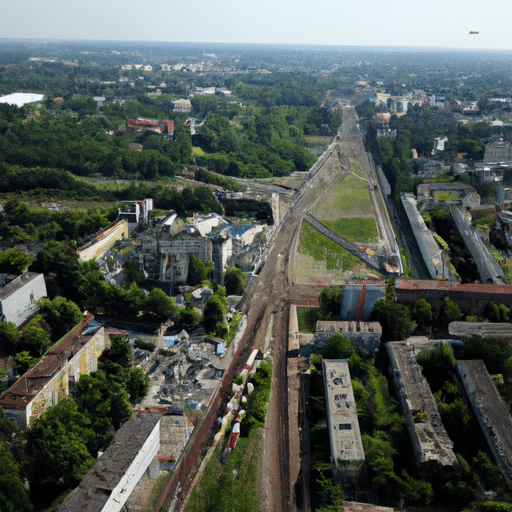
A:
(57, 450)
(330, 301)
(395, 320)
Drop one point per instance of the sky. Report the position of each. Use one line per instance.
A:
(407, 23)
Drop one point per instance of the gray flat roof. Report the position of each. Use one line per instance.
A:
(95, 488)
(344, 433)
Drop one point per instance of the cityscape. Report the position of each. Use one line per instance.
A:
(254, 277)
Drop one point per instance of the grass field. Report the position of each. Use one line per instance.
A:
(321, 261)
(318, 140)
(355, 229)
(197, 151)
(320, 248)
(348, 198)
(356, 167)
(484, 219)
(445, 196)
(234, 486)
(308, 317)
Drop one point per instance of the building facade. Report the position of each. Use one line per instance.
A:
(103, 241)
(18, 299)
(54, 376)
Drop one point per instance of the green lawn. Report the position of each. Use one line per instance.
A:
(349, 196)
(197, 151)
(445, 196)
(481, 218)
(322, 249)
(308, 317)
(355, 229)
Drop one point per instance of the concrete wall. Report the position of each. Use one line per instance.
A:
(104, 241)
(19, 305)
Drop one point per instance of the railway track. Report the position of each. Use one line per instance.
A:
(267, 308)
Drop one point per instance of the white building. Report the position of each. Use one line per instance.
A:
(182, 105)
(110, 482)
(18, 299)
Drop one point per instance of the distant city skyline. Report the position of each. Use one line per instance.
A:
(404, 23)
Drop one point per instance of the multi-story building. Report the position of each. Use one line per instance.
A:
(18, 299)
(54, 376)
(103, 241)
(347, 452)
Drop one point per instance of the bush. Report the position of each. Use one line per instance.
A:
(144, 345)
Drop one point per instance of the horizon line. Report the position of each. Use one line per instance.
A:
(301, 45)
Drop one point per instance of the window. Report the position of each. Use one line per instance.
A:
(345, 426)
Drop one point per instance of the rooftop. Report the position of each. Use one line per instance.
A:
(17, 284)
(431, 443)
(344, 430)
(494, 330)
(21, 393)
(96, 487)
(419, 284)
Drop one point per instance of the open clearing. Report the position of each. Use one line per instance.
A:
(349, 198)
(320, 260)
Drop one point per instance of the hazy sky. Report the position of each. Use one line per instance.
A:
(445, 23)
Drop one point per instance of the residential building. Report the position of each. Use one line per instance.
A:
(55, 375)
(182, 105)
(161, 126)
(103, 241)
(18, 299)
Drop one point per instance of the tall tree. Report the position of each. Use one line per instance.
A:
(395, 320)
(330, 301)
(57, 451)
(15, 261)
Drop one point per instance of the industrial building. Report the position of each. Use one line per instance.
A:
(362, 335)
(103, 241)
(488, 329)
(491, 412)
(359, 298)
(430, 250)
(54, 376)
(347, 452)
(432, 448)
(135, 213)
(471, 297)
